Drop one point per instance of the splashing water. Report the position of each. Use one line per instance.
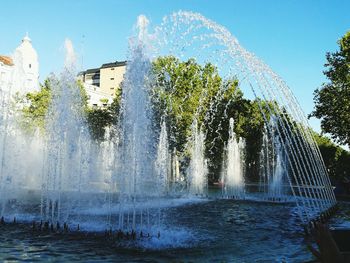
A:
(233, 176)
(276, 184)
(197, 171)
(136, 148)
(129, 176)
(191, 35)
(70, 57)
(162, 163)
(67, 145)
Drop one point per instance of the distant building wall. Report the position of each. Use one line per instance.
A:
(97, 98)
(111, 79)
(101, 83)
(92, 77)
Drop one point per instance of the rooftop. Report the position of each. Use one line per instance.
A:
(107, 65)
(6, 60)
(92, 70)
(114, 64)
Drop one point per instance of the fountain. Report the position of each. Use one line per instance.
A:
(66, 152)
(162, 164)
(136, 136)
(190, 35)
(15, 144)
(276, 182)
(197, 170)
(137, 171)
(274, 169)
(233, 176)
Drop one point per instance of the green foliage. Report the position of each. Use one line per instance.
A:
(342, 168)
(336, 159)
(114, 107)
(35, 105)
(104, 101)
(183, 92)
(98, 119)
(332, 100)
(83, 94)
(35, 108)
(248, 124)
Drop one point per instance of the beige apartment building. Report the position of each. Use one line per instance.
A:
(101, 83)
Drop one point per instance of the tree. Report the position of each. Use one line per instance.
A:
(336, 159)
(186, 90)
(332, 100)
(35, 105)
(183, 91)
(35, 108)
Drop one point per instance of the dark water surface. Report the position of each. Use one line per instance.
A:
(211, 231)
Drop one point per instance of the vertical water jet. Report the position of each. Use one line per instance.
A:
(198, 169)
(233, 174)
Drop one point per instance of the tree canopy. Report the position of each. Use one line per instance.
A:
(336, 159)
(184, 91)
(332, 100)
(35, 106)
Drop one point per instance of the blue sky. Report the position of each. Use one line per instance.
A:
(291, 36)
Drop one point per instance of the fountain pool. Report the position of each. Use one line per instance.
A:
(206, 231)
(140, 182)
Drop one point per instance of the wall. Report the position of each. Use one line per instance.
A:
(111, 78)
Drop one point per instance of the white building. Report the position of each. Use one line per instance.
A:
(20, 72)
(6, 68)
(96, 97)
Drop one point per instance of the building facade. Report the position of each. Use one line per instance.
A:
(6, 67)
(20, 72)
(101, 84)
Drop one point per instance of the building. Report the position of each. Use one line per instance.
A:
(20, 72)
(6, 67)
(102, 83)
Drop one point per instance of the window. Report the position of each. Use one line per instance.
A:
(30, 65)
(112, 78)
(112, 68)
(112, 88)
